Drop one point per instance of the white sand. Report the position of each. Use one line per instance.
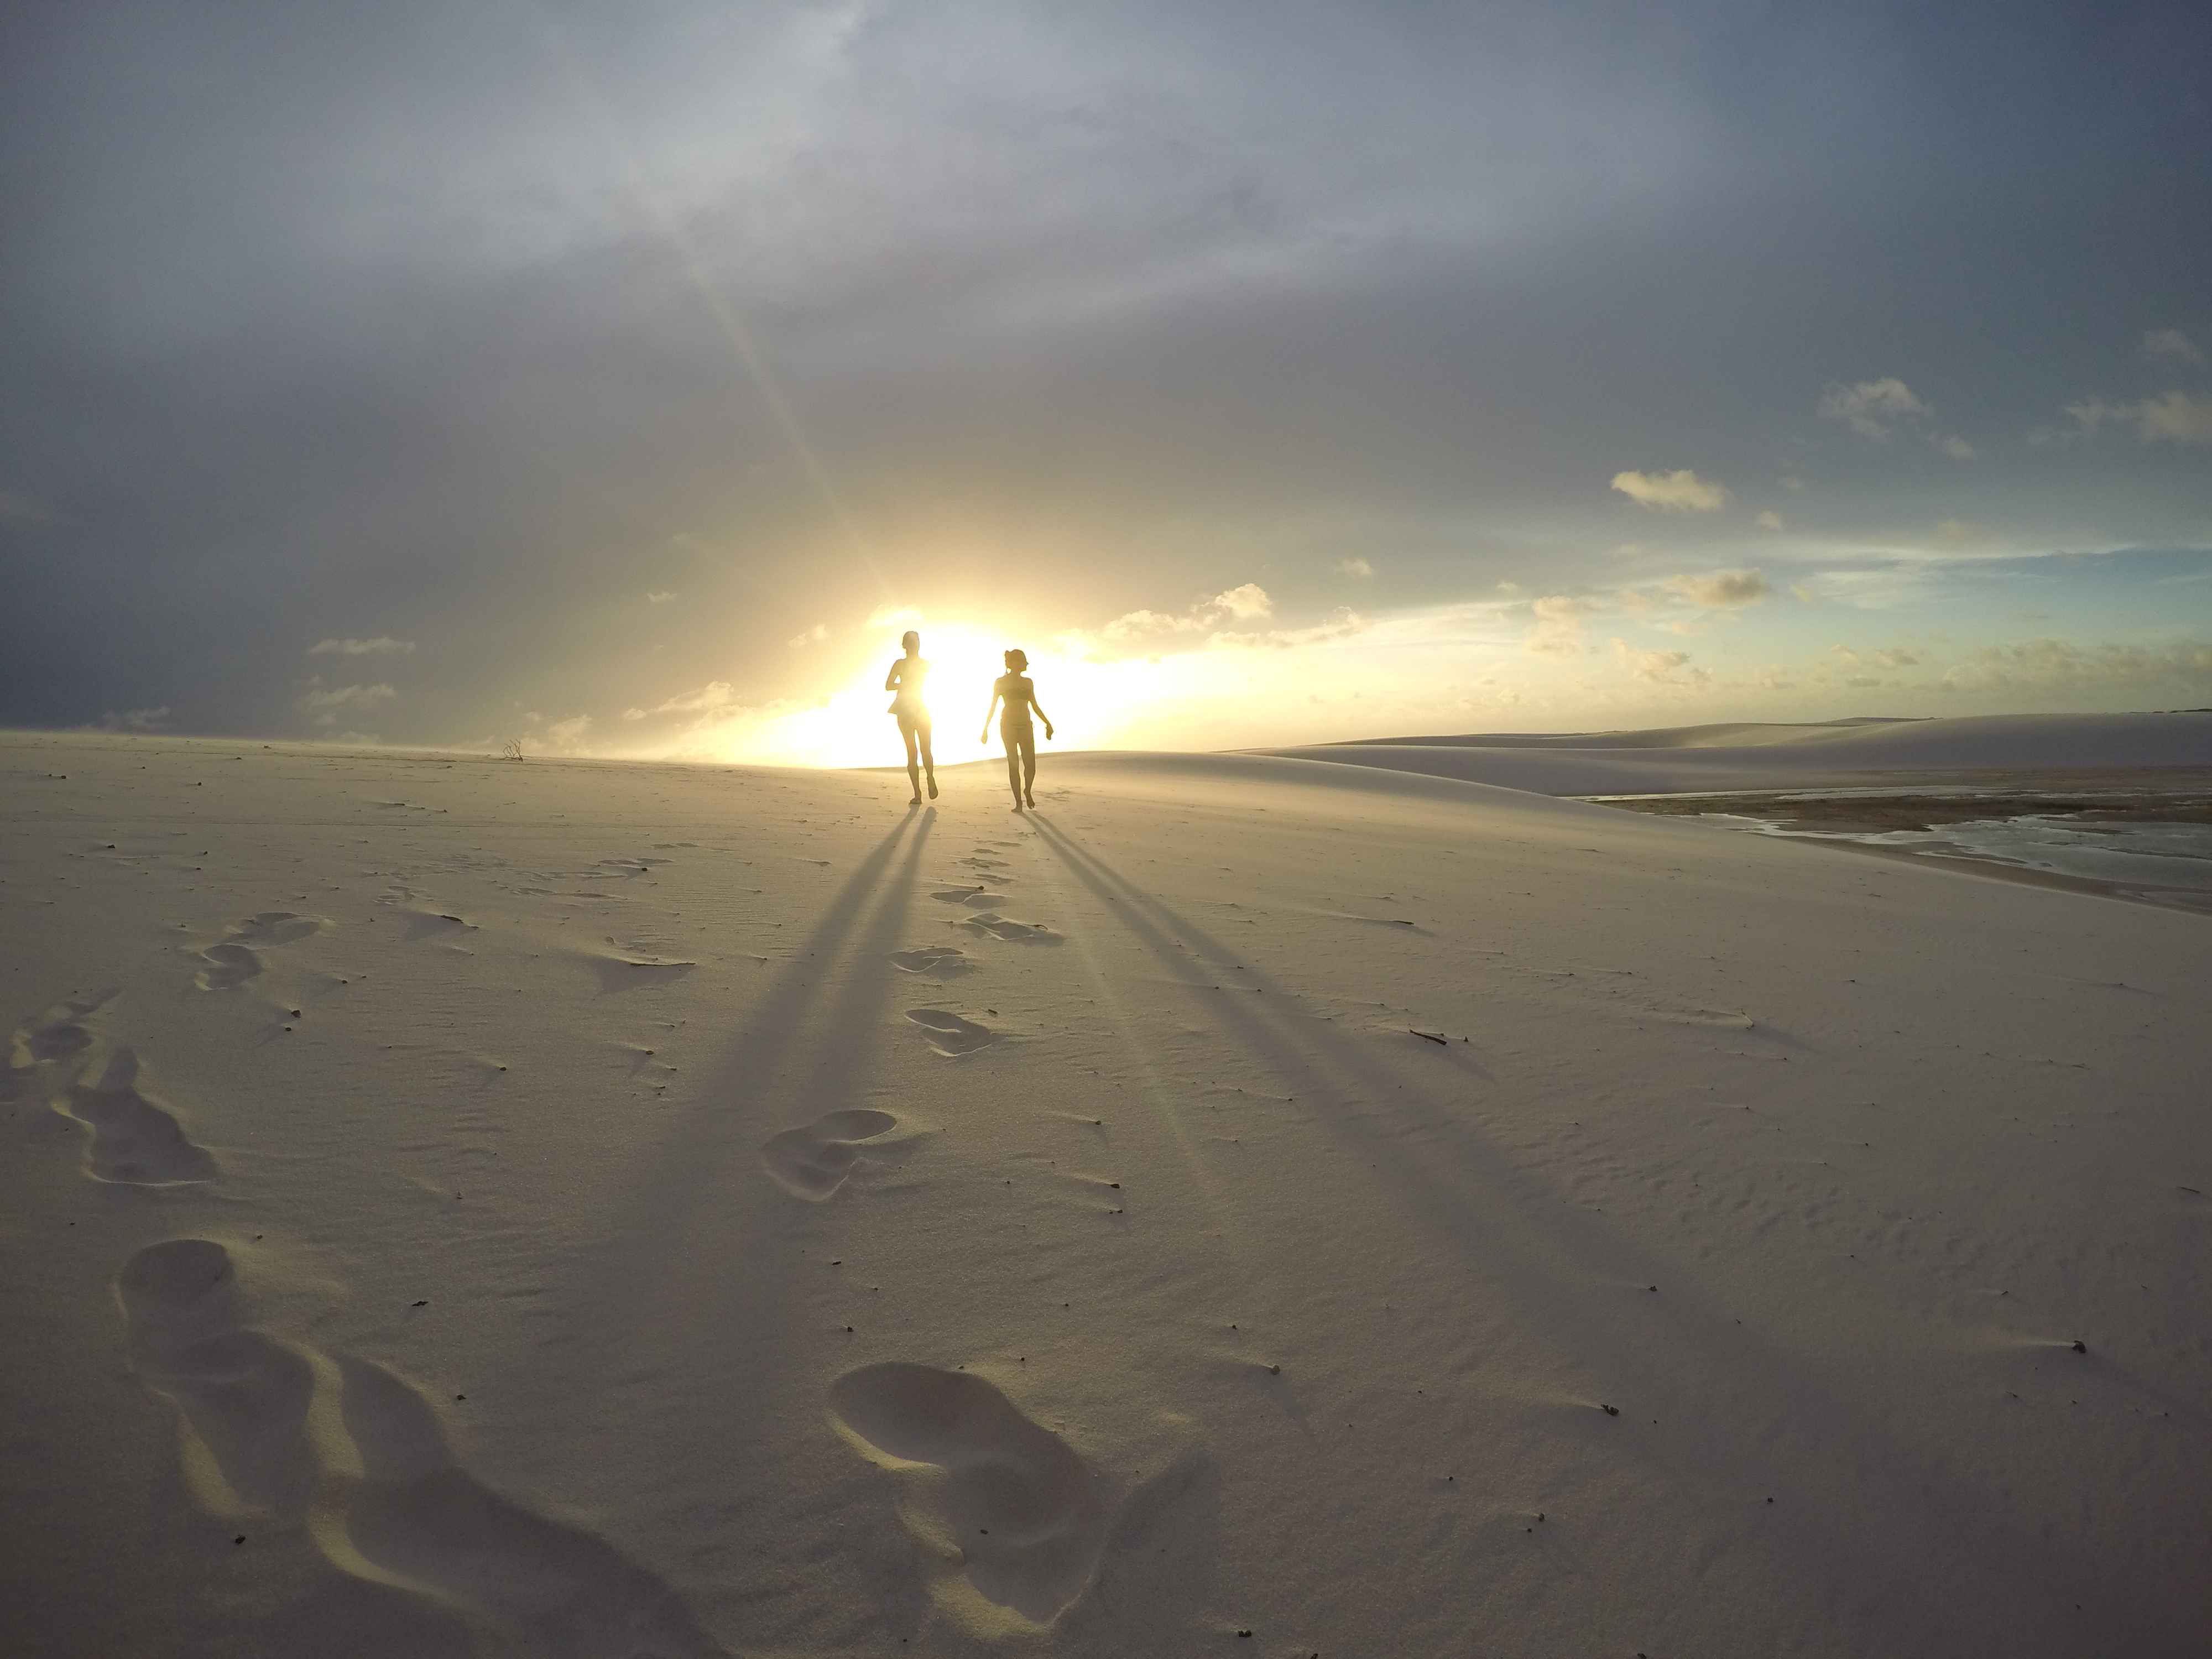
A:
(647, 1237)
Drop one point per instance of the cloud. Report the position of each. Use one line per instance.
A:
(894, 616)
(1894, 658)
(710, 698)
(136, 720)
(1953, 446)
(1723, 590)
(1354, 568)
(326, 705)
(1673, 492)
(1869, 407)
(383, 646)
(2176, 418)
(1246, 603)
(1342, 626)
(568, 733)
(2045, 664)
(1657, 667)
(1957, 532)
(658, 596)
(1558, 632)
(2171, 345)
(1770, 521)
(813, 635)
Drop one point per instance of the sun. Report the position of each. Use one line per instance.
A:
(1089, 703)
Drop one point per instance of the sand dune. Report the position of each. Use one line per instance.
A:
(1254, 1204)
(1753, 756)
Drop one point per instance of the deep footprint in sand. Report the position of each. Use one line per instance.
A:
(134, 1141)
(416, 1515)
(811, 1163)
(56, 1035)
(237, 956)
(939, 960)
(1006, 1503)
(241, 1396)
(950, 1034)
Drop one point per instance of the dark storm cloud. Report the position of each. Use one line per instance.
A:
(401, 322)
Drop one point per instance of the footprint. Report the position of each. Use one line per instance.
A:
(275, 927)
(241, 1396)
(57, 1034)
(942, 960)
(235, 960)
(949, 1033)
(1010, 1509)
(811, 1163)
(1014, 932)
(414, 1515)
(228, 966)
(957, 895)
(134, 1141)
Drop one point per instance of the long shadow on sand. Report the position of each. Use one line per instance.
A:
(1779, 1428)
(708, 1173)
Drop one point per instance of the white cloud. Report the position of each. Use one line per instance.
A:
(1770, 521)
(894, 616)
(1558, 632)
(2176, 418)
(1354, 568)
(383, 646)
(1868, 407)
(1723, 590)
(813, 635)
(658, 596)
(2042, 664)
(326, 706)
(1246, 603)
(136, 720)
(1953, 446)
(1657, 667)
(568, 733)
(1897, 657)
(714, 695)
(2171, 345)
(1342, 626)
(1675, 492)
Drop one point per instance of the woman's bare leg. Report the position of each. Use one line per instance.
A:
(928, 762)
(1028, 766)
(913, 771)
(1013, 766)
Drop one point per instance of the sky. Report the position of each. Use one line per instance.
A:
(623, 379)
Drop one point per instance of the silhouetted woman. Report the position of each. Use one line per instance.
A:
(908, 674)
(1013, 689)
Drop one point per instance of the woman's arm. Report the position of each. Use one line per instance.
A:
(988, 713)
(1041, 714)
(892, 679)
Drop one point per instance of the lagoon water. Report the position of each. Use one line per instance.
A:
(2166, 863)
